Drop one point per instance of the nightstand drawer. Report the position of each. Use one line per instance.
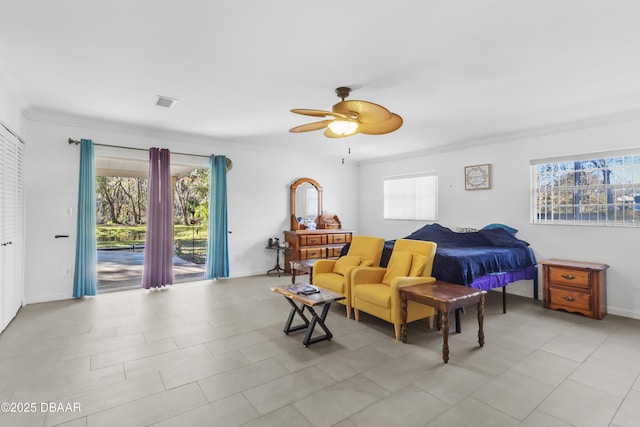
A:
(577, 278)
(569, 299)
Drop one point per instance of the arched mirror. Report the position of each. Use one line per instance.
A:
(306, 204)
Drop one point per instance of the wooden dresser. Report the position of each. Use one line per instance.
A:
(314, 244)
(579, 287)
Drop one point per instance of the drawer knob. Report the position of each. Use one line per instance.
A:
(568, 298)
(568, 277)
(314, 240)
(314, 253)
(338, 238)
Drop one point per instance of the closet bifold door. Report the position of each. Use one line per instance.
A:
(11, 226)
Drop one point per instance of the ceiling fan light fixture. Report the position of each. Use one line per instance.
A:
(343, 127)
(350, 118)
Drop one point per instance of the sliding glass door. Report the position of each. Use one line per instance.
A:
(121, 204)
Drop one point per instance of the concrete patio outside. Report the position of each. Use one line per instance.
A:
(122, 269)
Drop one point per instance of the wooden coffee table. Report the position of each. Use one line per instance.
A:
(302, 266)
(445, 297)
(299, 303)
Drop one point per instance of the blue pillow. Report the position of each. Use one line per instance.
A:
(504, 227)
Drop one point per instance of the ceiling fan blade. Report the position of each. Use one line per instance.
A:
(380, 128)
(367, 112)
(311, 126)
(330, 134)
(317, 113)
(372, 119)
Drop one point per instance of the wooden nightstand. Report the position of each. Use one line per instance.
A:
(579, 287)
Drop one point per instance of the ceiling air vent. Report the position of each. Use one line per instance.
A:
(165, 101)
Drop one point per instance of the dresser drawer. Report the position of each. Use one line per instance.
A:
(313, 240)
(339, 238)
(314, 244)
(564, 298)
(333, 252)
(570, 277)
(309, 253)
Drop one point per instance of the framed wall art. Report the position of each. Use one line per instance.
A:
(477, 177)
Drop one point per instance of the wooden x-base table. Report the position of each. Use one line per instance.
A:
(308, 302)
(445, 297)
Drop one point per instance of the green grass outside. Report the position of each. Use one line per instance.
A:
(190, 243)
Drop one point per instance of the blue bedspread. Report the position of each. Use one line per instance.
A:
(464, 257)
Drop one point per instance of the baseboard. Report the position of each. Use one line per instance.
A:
(524, 288)
(46, 298)
(623, 313)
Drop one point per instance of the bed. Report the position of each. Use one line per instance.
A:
(485, 259)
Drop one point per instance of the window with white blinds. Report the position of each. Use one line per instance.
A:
(411, 196)
(601, 189)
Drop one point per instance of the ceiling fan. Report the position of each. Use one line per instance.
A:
(350, 118)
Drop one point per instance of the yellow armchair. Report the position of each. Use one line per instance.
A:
(335, 275)
(374, 290)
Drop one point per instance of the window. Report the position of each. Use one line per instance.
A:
(413, 196)
(601, 189)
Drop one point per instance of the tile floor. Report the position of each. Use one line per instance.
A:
(214, 354)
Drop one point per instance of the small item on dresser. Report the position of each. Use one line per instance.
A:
(329, 220)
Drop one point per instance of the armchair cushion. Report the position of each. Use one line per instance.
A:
(418, 263)
(332, 281)
(377, 294)
(399, 265)
(344, 262)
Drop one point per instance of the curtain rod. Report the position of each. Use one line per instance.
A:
(73, 141)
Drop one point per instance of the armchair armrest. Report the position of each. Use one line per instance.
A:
(401, 282)
(323, 266)
(363, 275)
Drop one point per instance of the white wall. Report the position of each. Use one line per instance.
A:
(10, 113)
(258, 198)
(508, 202)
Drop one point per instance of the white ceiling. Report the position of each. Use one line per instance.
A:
(456, 71)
